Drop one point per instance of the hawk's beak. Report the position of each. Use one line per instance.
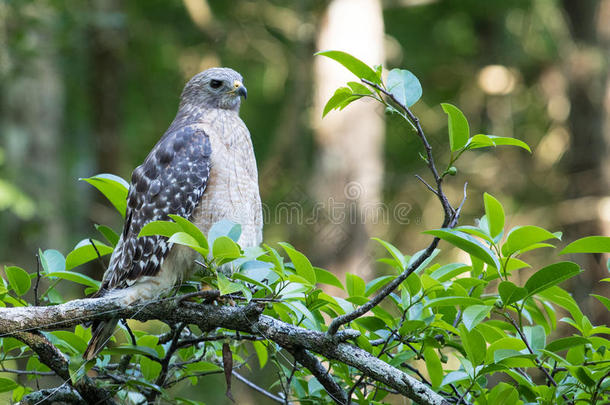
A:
(240, 89)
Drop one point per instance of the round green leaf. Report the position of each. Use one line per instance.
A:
(404, 86)
(19, 279)
(225, 249)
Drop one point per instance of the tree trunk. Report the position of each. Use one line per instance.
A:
(587, 162)
(349, 170)
(32, 102)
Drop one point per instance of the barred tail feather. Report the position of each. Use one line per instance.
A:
(102, 332)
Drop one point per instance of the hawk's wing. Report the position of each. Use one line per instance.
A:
(171, 180)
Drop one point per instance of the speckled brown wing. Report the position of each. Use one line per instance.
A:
(171, 180)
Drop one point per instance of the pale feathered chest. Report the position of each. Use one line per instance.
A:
(232, 191)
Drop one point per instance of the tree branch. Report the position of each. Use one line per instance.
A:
(450, 220)
(55, 360)
(248, 318)
(60, 395)
(322, 375)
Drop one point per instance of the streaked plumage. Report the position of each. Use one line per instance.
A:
(204, 169)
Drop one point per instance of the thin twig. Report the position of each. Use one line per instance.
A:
(36, 285)
(353, 389)
(131, 335)
(426, 184)
(449, 211)
(26, 372)
(450, 221)
(258, 388)
(99, 256)
(540, 366)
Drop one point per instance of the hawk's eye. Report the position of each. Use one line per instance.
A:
(215, 83)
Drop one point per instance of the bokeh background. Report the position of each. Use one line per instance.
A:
(89, 86)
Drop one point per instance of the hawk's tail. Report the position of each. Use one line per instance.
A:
(102, 331)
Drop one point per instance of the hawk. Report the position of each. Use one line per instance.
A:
(203, 168)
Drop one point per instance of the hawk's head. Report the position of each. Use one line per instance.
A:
(215, 88)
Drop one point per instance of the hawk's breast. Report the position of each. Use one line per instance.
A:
(232, 190)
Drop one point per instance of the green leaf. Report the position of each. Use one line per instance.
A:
(399, 257)
(495, 215)
(404, 86)
(559, 296)
(502, 140)
(84, 252)
(130, 349)
(75, 277)
(536, 336)
(52, 260)
(507, 343)
(18, 279)
(190, 228)
(474, 344)
(474, 314)
(503, 394)
(355, 285)
(434, 366)
(354, 65)
(7, 385)
(604, 300)
(521, 237)
(510, 293)
(479, 141)
(589, 244)
(224, 227)
(374, 285)
(261, 352)
(202, 366)
(77, 369)
(326, 277)
(566, 343)
(183, 238)
(301, 263)
(113, 187)
(163, 228)
(359, 88)
(448, 271)
(371, 323)
(453, 301)
(454, 377)
(224, 249)
(226, 286)
(413, 284)
(76, 342)
(468, 244)
(583, 375)
(337, 99)
(459, 131)
(111, 236)
(550, 276)
(150, 369)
